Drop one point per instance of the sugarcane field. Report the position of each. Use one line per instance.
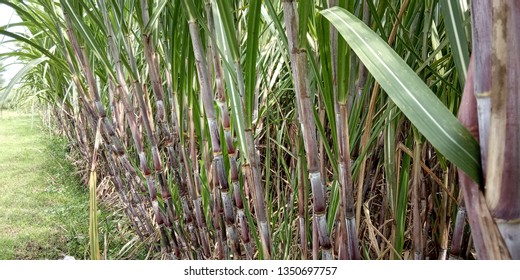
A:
(259, 130)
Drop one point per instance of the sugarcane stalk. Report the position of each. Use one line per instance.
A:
(208, 101)
(344, 177)
(240, 104)
(176, 163)
(315, 239)
(487, 239)
(502, 186)
(190, 188)
(302, 203)
(348, 237)
(226, 126)
(444, 224)
(161, 114)
(193, 180)
(139, 218)
(129, 112)
(111, 138)
(78, 127)
(458, 229)
(496, 88)
(118, 114)
(416, 200)
(298, 58)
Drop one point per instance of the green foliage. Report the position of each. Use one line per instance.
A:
(123, 61)
(410, 94)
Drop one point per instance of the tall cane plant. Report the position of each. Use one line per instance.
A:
(287, 129)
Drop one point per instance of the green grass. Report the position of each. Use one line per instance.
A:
(43, 205)
(44, 209)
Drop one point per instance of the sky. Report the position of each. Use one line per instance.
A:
(7, 15)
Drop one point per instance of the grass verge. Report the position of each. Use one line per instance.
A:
(44, 209)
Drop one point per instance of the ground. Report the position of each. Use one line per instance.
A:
(43, 207)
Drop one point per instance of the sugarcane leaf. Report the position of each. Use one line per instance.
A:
(402, 201)
(28, 67)
(251, 54)
(226, 13)
(87, 34)
(453, 20)
(237, 113)
(155, 16)
(28, 41)
(413, 97)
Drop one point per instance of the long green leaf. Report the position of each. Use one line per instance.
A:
(93, 229)
(410, 93)
(237, 113)
(253, 21)
(28, 41)
(28, 67)
(155, 16)
(402, 202)
(226, 13)
(453, 20)
(87, 34)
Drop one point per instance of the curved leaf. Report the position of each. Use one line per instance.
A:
(453, 19)
(30, 65)
(410, 93)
